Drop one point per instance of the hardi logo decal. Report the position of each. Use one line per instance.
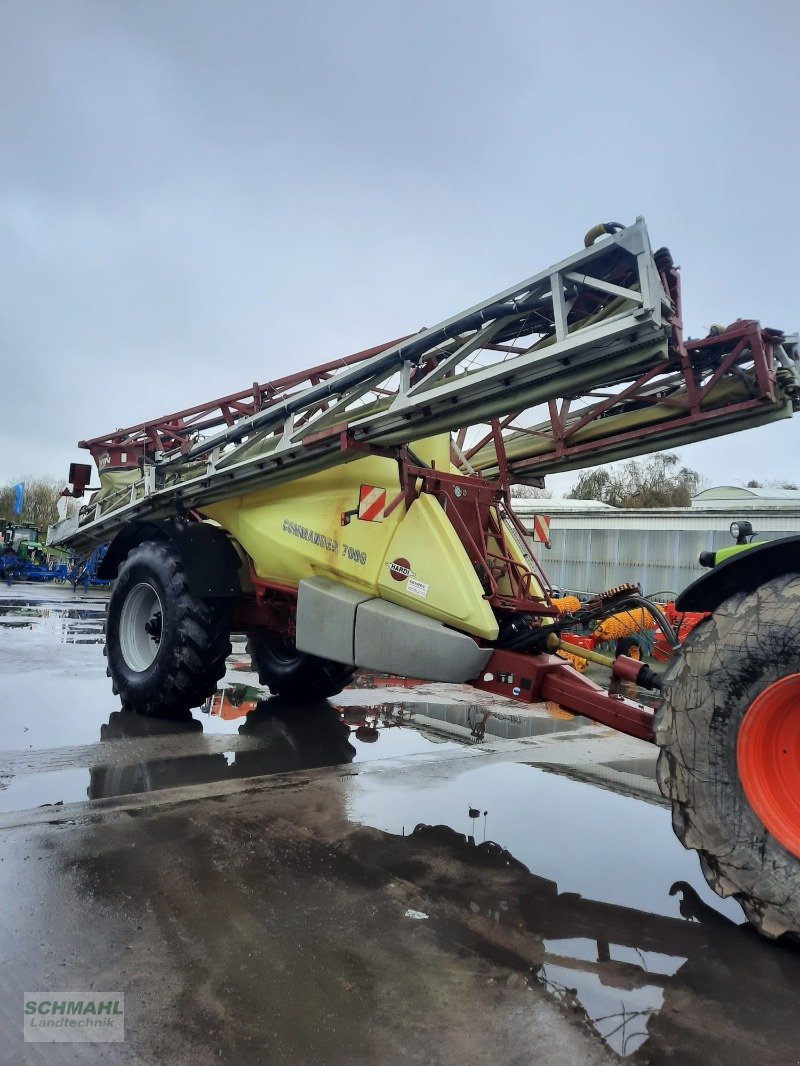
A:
(400, 569)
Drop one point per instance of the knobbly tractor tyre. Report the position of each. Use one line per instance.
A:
(729, 733)
(166, 648)
(295, 675)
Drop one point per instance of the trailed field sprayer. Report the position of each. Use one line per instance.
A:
(358, 515)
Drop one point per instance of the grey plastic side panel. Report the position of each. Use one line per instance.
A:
(326, 618)
(398, 641)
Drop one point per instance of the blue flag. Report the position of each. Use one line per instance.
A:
(19, 497)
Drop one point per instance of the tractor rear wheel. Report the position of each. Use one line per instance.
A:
(295, 675)
(166, 648)
(729, 733)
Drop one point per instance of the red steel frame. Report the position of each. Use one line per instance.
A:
(535, 678)
(729, 343)
(744, 334)
(173, 432)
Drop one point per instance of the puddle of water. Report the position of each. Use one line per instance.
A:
(600, 860)
(58, 602)
(399, 742)
(285, 739)
(591, 841)
(53, 688)
(594, 889)
(629, 932)
(54, 691)
(25, 791)
(47, 705)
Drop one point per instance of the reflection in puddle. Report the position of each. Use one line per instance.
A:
(608, 920)
(283, 741)
(62, 616)
(567, 830)
(286, 741)
(280, 738)
(233, 701)
(284, 738)
(629, 970)
(620, 1015)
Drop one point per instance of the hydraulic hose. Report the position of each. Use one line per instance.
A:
(660, 617)
(600, 231)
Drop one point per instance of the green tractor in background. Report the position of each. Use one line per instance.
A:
(742, 533)
(24, 556)
(24, 542)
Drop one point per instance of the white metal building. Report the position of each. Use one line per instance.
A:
(596, 546)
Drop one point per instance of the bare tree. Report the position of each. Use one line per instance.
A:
(39, 503)
(528, 492)
(658, 481)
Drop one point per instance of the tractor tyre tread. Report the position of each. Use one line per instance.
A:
(751, 641)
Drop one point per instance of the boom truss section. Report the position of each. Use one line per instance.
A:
(581, 364)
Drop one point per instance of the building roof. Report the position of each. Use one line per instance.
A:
(558, 505)
(722, 494)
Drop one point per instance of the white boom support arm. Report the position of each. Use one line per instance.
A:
(601, 319)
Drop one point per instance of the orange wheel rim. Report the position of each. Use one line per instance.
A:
(768, 754)
(635, 653)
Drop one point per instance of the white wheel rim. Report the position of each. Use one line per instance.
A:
(138, 646)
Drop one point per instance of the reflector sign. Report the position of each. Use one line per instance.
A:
(541, 528)
(371, 503)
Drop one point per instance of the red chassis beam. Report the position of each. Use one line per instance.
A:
(542, 678)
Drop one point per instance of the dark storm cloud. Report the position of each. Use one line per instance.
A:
(193, 196)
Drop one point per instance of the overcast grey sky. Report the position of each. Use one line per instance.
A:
(196, 195)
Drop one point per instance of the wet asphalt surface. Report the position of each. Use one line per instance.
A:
(356, 881)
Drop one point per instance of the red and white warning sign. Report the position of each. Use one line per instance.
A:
(541, 528)
(371, 503)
